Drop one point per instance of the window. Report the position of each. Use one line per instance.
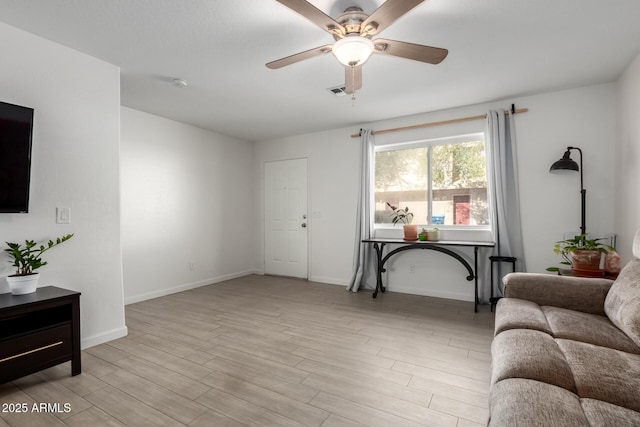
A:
(443, 181)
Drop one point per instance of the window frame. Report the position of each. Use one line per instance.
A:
(383, 230)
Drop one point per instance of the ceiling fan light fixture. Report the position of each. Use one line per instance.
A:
(353, 50)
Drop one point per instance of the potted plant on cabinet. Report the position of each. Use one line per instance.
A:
(582, 254)
(27, 259)
(404, 216)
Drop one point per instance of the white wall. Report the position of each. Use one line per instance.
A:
(550, 203)
(187, 197)
(74, 164)
(583, 117)
(627, 164)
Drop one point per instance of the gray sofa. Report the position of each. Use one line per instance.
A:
(566, 350)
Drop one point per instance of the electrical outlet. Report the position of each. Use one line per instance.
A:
(612, 239)
(192, 265)
(412, 269)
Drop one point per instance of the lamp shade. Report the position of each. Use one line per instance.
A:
(565, 163)
(353, 50)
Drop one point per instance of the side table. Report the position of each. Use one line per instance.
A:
(39, 330)
(604, 275)
(493, 259)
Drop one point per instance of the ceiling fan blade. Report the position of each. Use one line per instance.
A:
(292, 59)
(416, 52)
(315, 15)
(352, 79)
(386, 15)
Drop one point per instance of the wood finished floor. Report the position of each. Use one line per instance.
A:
(268, 351)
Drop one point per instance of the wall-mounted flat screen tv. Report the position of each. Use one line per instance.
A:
(16, 126)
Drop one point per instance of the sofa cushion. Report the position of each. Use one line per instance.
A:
(589, 328)
(622, 304)
(605, 414)
(523, 353)
(527, 403)
(604, 374)
(515, 313)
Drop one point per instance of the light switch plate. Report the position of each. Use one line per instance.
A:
(63, 216)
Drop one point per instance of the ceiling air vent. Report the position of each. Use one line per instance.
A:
(338, 90)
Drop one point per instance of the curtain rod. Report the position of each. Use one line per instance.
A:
(442, 122)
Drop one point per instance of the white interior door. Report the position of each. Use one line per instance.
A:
(285, 195)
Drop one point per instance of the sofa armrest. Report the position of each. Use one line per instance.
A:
(573, 293)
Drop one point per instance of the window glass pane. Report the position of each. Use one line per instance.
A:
(458, 193)
(401, 179)
(460, 184)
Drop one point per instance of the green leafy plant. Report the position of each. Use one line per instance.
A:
(400, 215)
(28, 258)
(565, 248)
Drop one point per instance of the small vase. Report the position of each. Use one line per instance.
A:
(612, 262)
(21, 285)
(410, 232)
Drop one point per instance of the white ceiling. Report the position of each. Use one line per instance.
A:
(497, 49)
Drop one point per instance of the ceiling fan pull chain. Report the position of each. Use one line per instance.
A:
(353, 85)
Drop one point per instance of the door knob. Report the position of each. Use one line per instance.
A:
(304, 225)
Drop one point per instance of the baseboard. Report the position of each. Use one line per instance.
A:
(459, 296)
(185, 287)
(103, 337)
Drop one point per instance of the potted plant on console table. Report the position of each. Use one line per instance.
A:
(582, 254)
(27, 260)
(404, 216)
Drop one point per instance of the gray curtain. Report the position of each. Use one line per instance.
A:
(503, 185)
(364, 254)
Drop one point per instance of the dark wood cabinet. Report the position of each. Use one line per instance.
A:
(39, 330)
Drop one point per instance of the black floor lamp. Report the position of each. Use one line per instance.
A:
(566, 163)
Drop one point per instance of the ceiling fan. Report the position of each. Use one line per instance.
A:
(352, 32)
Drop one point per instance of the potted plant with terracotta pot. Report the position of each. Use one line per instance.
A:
(27, 259)
(404, 216)
(582, 254)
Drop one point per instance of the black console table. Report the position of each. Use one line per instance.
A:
(445, 247)
(39, 330)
